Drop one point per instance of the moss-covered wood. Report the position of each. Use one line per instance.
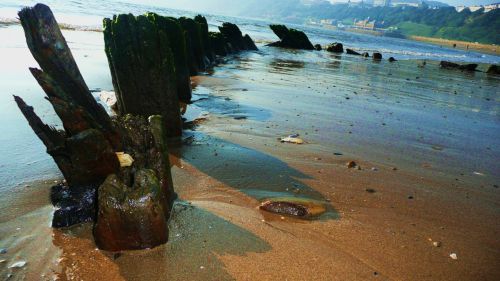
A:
(143, 68)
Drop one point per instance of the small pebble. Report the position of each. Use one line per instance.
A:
(3, 251)
(454, 256)
(410, 197)
(436, 244)
(374, 169)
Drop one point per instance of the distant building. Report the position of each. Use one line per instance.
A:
(403, 3)
(475, 8)
(365, 24)
(382, 3)
(491, 7)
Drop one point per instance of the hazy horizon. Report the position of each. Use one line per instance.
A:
(235, 6)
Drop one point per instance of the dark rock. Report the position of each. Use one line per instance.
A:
(352, 52)
(377, 56)
(318, 47)
(290, 38)
(391, 59)
(74, 205)
(286, 208)
(464, 67)
(296, 207)
(365, 54)
(370, 190)
(335, 48)
(233, 36)
(351, 164)
(493, 69)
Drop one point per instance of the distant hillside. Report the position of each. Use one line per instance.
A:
(444, 22)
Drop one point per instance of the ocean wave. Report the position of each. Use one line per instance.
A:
(62, 25)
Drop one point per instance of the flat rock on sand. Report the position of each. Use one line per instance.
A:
(296, 207)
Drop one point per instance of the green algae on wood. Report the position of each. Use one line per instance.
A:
(143, 68)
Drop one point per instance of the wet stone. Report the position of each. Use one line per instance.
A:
(295, 207)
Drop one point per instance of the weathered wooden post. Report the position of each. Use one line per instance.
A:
(125, 159)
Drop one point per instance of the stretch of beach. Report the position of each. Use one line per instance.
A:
(423, 204)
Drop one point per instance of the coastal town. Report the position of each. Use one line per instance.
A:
(377, 26)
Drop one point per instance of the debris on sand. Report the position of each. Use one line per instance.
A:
(125, 159)
(18, 264)
(454, 256)
(292, 139)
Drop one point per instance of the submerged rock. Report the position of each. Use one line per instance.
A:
(290, 38)
(335, 48)
(318, 47)
(235, 38)
(493, 69)
(296, 207)
(377, 56)
(352, 52)
(451, 65)
(391, 59)
(365, 54)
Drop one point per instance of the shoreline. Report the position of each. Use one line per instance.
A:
(463, 45)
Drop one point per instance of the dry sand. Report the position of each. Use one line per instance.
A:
(483, 48)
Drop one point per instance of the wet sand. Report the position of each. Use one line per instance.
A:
(380, 223)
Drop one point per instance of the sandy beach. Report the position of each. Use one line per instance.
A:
(484, 48)
(423, 204)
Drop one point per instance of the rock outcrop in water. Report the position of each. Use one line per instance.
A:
(335, 48)
(493, 69)
(352, 52)
(464, 67)
(377, 56)
(290, 38)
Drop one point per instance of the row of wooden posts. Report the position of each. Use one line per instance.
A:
(116, 169)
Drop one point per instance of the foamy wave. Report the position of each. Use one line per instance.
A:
(64, 26)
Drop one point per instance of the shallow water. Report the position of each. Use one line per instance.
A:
(396, 114)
